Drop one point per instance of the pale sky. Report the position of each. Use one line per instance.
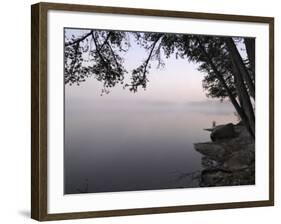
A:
(178, 81)
(135, 141)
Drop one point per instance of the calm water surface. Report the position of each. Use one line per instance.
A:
(125, 141)
(135, 145)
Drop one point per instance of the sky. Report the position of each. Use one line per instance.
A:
(177, 81)
(135, 141)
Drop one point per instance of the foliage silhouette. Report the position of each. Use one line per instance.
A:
(227, 74)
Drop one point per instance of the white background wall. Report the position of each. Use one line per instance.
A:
(15, 112)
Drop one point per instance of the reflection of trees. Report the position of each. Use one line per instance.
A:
(227, 74)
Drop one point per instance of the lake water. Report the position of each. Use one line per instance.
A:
(126, 145)
(127, 141)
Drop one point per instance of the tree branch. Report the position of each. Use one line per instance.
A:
(150, 54)
(98, 51)
(106, 40)
(79, 39)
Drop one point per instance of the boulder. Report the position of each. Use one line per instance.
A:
(215, 177)
(214, 151)
(208, 163)
(229, 159)
(240, 160)
(223, 132)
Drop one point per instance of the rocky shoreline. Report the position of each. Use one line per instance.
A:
(229, 159)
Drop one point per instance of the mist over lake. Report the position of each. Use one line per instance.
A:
(122, 145)
(136, 140)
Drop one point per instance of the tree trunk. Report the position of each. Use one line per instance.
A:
(240, 65)
(240, 99)
(251, 52)
(229, 93)
(246, 104)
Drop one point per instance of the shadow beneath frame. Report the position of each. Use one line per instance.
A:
(24, 213)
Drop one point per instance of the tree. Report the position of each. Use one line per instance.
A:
(227, 74)
(102, 61)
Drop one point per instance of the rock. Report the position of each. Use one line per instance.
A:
(208, 163)
(211, 129)
(223, 132)
(244, 176)
(230, 160)
(239, 160)
(215, 177)
(214, 151)
(243, 135)
(222, 177)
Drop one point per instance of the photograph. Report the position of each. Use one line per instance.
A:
(157, 111)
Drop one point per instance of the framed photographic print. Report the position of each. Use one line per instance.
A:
(138, 111)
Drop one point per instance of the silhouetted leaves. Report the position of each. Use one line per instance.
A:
(95, 54)
(98, 54)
